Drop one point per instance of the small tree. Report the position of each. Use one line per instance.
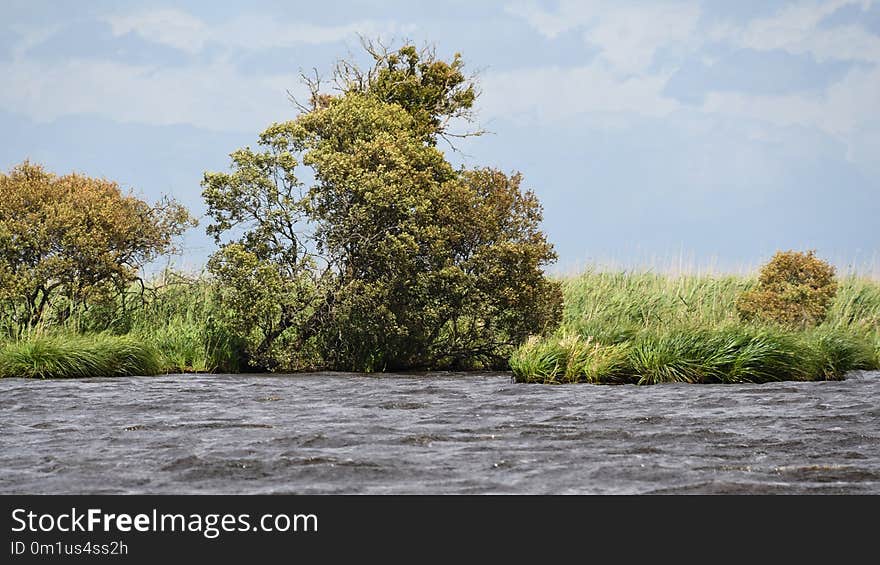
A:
(68, 241)
(794, 289)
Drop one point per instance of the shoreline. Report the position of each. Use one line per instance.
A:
(617, 327)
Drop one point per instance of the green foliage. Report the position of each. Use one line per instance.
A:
(392, 259)
(856, 308)
(794, 289)
(71, 241)
(265, 309)
(432, 91)
(614, 306)
(614, 323)
(728, 355)
(185, 321)
(659, 328)
(833, 352)
(78, 356)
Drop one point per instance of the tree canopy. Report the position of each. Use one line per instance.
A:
(390, 257)
(67, 241)
(433, 92)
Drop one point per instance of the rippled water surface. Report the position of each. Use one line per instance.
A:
(435, 433)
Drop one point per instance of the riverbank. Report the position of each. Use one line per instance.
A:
(646, 328)
(617, 327)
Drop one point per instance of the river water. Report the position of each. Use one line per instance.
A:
(435, 433)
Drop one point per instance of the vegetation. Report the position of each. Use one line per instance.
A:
(617, 328)
(72, 241)
(74, 356)
(182, 317)
(794, 289)
(388, 258)
(392, 259)
(736, 354)
(644, 328)
(71, 249)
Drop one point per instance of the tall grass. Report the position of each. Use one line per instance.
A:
(77, 356)
(621, 303)
(182, 317)
(179, 318)
(569, 358)
(646, 328)
(736, 354)
(185, 322)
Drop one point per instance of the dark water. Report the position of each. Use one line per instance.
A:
(439, 433)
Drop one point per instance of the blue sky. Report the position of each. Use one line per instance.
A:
(714, 131)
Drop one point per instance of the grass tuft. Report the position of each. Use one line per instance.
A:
(78, 356)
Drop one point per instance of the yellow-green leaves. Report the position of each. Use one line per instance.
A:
(391, 258)
(432, 91)
(793, 289)
(67, 241)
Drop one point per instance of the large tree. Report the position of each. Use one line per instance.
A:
(391, 257)
(68, 241)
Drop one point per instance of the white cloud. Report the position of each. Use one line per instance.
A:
(628, 35)
(568, 16)
(558, 93)
(843, 109)
(620, 83)
(215, 97)
(183, 31)
(846, 111)
(31, 36)
(796, 29)
(168, 27)
(625, 77)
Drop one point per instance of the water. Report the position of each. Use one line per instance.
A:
(435, 433)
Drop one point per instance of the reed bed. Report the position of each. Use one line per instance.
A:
(178, 325)
(186, 324)
(647, 328)
(618, 327)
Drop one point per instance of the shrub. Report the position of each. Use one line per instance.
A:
(794, 289)
(68, 242)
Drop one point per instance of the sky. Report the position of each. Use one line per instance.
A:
(656, 133)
